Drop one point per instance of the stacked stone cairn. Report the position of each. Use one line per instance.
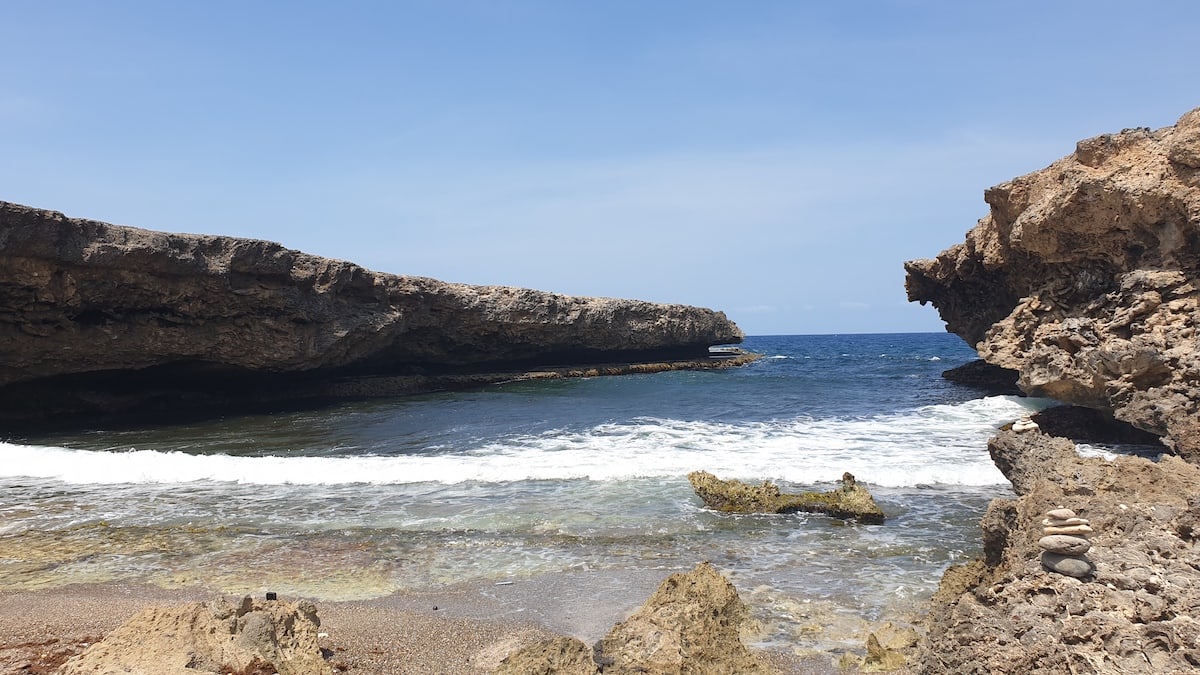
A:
(1064, 543)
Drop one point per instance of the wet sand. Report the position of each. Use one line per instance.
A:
(466, 629)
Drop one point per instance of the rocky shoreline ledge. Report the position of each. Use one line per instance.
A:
(103, 319)
(1084, 280)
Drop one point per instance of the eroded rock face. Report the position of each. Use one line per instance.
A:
(561, 656)
(1084, 279)
(80, 297)
(216, 637)
(690, 626)
(851, 501)
(1134, 612)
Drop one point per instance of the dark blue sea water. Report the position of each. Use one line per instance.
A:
(363, 499)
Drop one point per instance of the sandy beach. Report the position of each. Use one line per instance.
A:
(466, 629)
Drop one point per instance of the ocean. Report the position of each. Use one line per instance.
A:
(363, 499)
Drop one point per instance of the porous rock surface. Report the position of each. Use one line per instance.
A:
(81, 299)
(1083, 277)
(851, 501)
(690, 626)
(1136, 613)
(216, 638)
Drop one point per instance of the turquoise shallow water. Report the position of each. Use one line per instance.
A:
(361, 500)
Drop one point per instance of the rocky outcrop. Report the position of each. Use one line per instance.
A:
(1084, 279)
(218, 637)
(985, 377)
(851, 501)
(560, 656)
(106, 314)
(1134, 613)
(690, 625)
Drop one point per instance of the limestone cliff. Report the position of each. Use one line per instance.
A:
(1083, 278)
(117, 311)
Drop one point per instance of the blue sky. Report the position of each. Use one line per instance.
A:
(775, 160)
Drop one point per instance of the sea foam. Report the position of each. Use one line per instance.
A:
(939, 444)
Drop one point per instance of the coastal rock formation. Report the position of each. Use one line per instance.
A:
(986, 377)
(108, 314)
(219, 638)
(690, 625)
(851, 501)
(560, 656)
(1135, 609)
(1084, 279)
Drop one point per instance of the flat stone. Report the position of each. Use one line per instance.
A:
(1069, 529)
(1065, 544)
(1071, 566)
(1060, 514)
(1064, 522)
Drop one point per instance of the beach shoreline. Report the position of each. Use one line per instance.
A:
(462, 629)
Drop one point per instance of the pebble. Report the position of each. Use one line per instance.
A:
(1060, 514)
(1071, 566)
(1064, 544)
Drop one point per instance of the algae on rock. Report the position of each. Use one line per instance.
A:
(851, 501)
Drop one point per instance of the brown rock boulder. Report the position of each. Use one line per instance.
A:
(689, 626)
(561, 656)
(1085, 278)
(216, 637)
(851, 501)
(111, 312)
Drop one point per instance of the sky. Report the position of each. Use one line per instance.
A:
(775, 160)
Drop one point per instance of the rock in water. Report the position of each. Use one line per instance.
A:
(1085, 278)
(102, 317)
(851, 501)
(690, 625)
(1071, 566)
(210, 638)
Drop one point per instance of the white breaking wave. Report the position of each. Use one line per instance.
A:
(942, 444)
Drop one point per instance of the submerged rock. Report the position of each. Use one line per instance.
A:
(888, 649)
(211, 638)
(851, 501)
(1084, 277)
